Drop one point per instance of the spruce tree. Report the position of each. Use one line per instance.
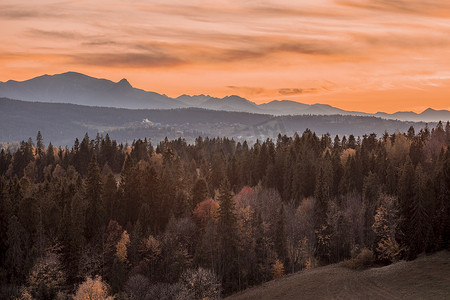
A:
(16, 251)
(95, 211)
(109, 197)
(280, 236)
(405, 197)
(420, 221)
(130, 193)
(39, 144)
(199, 192)
(228, 235)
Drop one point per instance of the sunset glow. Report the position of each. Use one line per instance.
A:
(365, 55)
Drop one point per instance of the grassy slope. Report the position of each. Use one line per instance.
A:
(427, 277)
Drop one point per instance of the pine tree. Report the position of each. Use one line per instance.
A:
(109, 197)
(228, 233)
(150, 193)
(199, 192)
(39, 144)
(405, 196)
(5, 160)
(78, 209)
(130, 193)
(420, 219)
(16, 252)
(280, 236)
(84, 155)
(50, 155)
(322, 193)
(95, 212)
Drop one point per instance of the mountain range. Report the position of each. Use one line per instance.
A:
(61, 123)
(76, 88)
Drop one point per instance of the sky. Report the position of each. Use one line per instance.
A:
(364, 55)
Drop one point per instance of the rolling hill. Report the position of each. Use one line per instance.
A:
(427, 277)
(61, 123)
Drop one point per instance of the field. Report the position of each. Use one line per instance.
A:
(427, 277)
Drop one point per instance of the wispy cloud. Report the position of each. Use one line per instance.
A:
(251, 91)
(18, 11)
(436, 8)
(53, 34)
(128, 60)
(263, 49)
(283, 92)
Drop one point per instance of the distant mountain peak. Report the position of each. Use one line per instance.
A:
(77, 88)
(71, 73)
(68, 74)
(235, 97)
(124, 83)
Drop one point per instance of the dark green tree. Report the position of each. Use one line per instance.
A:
(199, 192)
(95, 212)
(16, 253)
(39, 144)
(228, 235)
(420, 217)
(406, 196)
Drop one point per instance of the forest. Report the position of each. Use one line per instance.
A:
(104, 220)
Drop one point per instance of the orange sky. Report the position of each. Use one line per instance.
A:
(365, 55)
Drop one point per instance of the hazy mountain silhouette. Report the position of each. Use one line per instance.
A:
(232, 103)
(80, 89)
(196, 100)
(61, 123)
(428, 115)
(286, 107)
(76, 88)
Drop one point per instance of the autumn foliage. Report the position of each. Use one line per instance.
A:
(203, 220)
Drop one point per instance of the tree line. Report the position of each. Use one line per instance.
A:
(217, 216)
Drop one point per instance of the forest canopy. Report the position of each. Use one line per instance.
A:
(210, 218)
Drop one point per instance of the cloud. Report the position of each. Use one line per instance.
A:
(177, 54)
(252, 91)
(127, 60)
(260, 91)
(290, 91)
(268, 48)
(405, 40)
(435, 8)
(71, 35)
(312, 48)
(301, 91)
(100, 42)
(14, 12)
(241, 12)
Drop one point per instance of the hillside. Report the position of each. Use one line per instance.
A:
(424, 278)
(60, 123)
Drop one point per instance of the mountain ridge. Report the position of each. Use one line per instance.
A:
(77, 88)
(61, 122)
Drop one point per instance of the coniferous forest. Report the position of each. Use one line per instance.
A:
(205, 220)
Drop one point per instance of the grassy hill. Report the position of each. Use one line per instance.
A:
(427, 277)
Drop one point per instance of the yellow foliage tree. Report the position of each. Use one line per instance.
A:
(385, 227)
(121, 247)
(93, 289)
(398, 150)
(278, 269)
